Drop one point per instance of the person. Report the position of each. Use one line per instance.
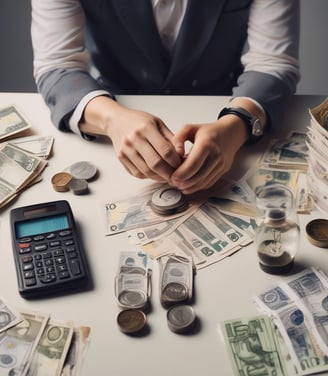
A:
(88, 51)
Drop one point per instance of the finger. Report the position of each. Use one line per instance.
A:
(136, 166)
(159, 137)
(186, 133)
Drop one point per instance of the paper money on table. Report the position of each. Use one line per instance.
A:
(287, 153)
(77, 351)
(255, 347)
(18, 169)
(8, 316)
(303, 337)
(39, 146)
(19, 342)
(12, 121)
(206, 236)
(317, 142)
(136, 211)
(52, 348)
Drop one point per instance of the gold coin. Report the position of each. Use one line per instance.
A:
(317, 232)
(131, 320)
(60, 181)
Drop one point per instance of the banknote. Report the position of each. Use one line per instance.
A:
(296, 326)
(134, 212)
(290, 152)
(254, 347)
(319, 114)
(206, 236)
(39, 146)
(260, 177)
(8, 316)
(12, 121)
(52, 348)
(18, 343)
(312, 295)
(77, 351)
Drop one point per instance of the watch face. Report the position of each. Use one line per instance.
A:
(257, 128)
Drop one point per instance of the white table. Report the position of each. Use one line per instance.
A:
(222, 291)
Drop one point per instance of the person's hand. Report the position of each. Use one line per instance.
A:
(211, 155)
(141, 141)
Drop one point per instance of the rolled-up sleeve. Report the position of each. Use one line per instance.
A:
(271, 67)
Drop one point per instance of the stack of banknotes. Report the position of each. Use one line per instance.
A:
(34, 344)
(318, 153)
(22, 159)
(290, 337)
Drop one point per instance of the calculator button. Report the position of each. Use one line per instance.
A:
(40, 271)
(65, 233)
(60, 260)
(38, 238)
(29, 274)
(72, 255)
(55, 243)
(61, 268)
(63, 275)
(58, 252)
(68, 242)
(75, 267)
(47, 255)
(50, 269)
(25, 240)
(24, 245)
(39, 264)
(37, 257)
(48, 278)
(25, 250)
(70, 249)
(48, 262)
(30, 282)
(40, 247)
(51, 236)
(26, 259)
(28, 266)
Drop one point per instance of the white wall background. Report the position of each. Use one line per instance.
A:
(16, 50)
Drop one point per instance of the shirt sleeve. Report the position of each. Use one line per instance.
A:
(61, 60)
(271, 67)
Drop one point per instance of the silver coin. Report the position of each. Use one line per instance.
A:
(132, 298)
(82, 170)
(167, 197)
(175, 292)
(180, 318)
(78, 186)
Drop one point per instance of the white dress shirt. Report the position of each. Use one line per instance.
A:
(52, 52)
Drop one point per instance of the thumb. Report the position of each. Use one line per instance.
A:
(186, 133)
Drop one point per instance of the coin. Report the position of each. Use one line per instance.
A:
(132, 298)
(181, 318)
(131, 320)
(82, 170)
(60, 181)
(78, 186)
(174, 292)
(317, 232)
(168, 200)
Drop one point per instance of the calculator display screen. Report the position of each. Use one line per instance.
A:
(41, 225)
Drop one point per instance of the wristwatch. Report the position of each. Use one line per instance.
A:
(254, 126)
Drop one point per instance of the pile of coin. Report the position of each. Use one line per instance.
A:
(75, 178)
(317, 232)
(168, 200)
(181, 318)
(131, 321)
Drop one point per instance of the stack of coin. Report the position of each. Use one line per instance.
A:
(317, 232)
(82, 170)
(181, 318)
(131, 321)
(75, 178)
(61, 181)
(166, 201)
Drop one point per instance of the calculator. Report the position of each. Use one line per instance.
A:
(47, 248)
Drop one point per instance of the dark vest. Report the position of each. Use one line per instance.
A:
(127, 49)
